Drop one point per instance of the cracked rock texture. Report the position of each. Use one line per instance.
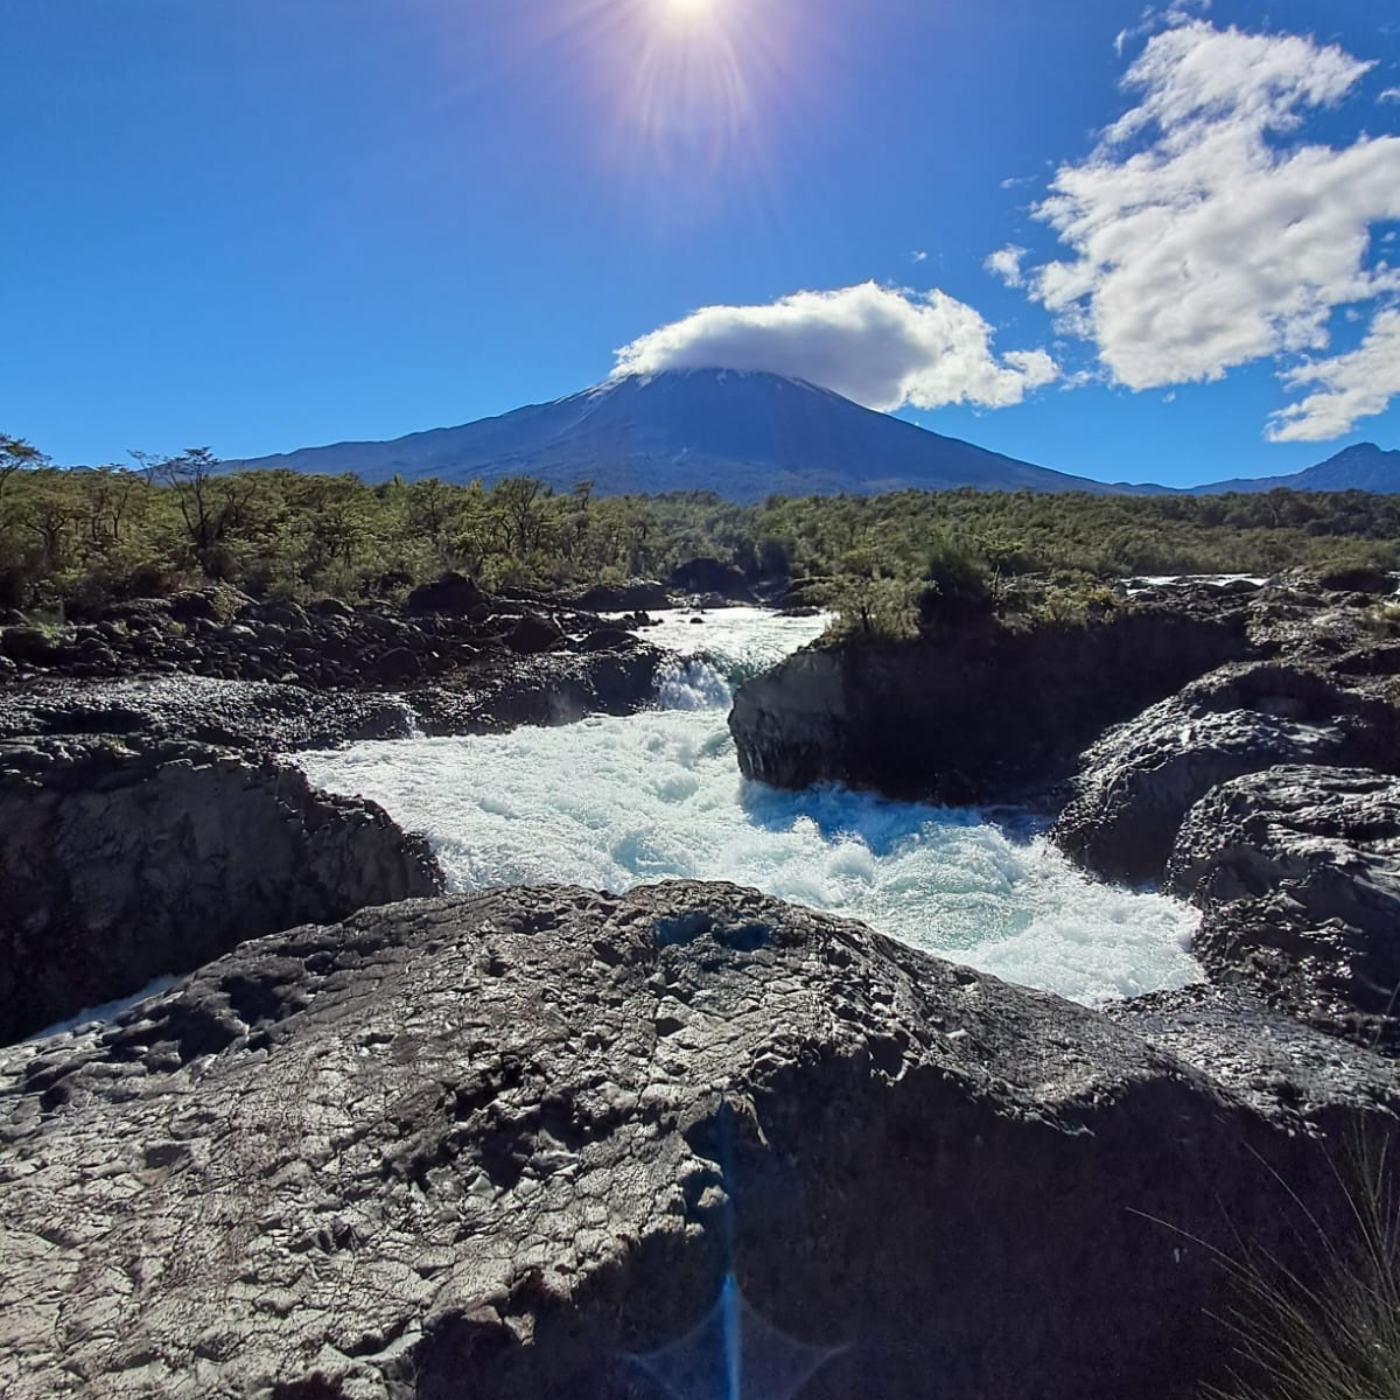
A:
(1298, 870)
(486, 1146)
(1136, 784)
(121, 863)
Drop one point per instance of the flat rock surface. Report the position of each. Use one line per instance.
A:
(491, 1145)
(1262, 1056)
(262, 715)
(271, 717)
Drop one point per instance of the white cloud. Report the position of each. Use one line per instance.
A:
(882, 347)
(1356, 385)
(919, 256)
(1202, 242)
(1389, 95)
(1006, 264)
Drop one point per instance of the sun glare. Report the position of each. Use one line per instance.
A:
(693, 96)
(689, 10)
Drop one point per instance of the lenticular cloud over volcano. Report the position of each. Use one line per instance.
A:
(882, 347)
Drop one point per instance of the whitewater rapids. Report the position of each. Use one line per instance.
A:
(610, 803)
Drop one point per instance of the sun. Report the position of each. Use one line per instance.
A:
(689, 11)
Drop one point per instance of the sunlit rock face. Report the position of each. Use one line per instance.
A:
(1298, 870)
(1136, 784)
(513, 1144)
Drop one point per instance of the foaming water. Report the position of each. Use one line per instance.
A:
(611, 803)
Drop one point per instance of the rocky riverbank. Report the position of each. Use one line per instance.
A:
(378, 1144)
(983, 712)
(496, 1145)
(145, 826)
(1241, 742)
(272, 676)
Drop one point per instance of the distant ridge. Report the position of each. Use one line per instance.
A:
(745, 435)
(1361, 467)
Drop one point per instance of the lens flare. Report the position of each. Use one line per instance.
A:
(690, 100)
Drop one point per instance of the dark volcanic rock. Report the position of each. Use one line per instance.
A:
(27, 644)
(120, 864)
(453, 593)
(488, 1146)
(714, 577)
(635, 595)
(1358, 580)
(1298, 870)
(1138, 782)
(974, 715)
(258, 715)
(614, 675)
(1264, 1056)
(556, 688)
(534, 633)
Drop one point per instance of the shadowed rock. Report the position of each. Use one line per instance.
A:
(980, 713)
(120, 864)
(490, 1146)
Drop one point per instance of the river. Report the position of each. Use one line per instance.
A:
(610, 803)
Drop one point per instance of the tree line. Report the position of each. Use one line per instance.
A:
(79, 537)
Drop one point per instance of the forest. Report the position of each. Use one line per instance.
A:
(73, 539)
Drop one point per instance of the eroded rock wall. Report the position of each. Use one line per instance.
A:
(982, 714)
(121, 863)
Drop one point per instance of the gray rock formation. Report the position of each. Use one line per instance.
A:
(267, 717)
(979, 713)
(121, 864)
(489, 1146)
(1298, 870)
(449, 633)
(1136, 784)
(260, 715)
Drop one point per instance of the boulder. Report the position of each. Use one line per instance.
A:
(1136, 784)
(986, 713)
(1298, 871)
(1359, 579)
(533, 633)
(608, 639)
(711, 576)
(556, 687)
(636, 595)
(119, 864)
(452, 593)
(204, 605)
(28, 645)
(497, 1145)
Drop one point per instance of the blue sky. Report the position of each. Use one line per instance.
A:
(261, 225)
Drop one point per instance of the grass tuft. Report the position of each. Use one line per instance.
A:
(1336, 1334)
